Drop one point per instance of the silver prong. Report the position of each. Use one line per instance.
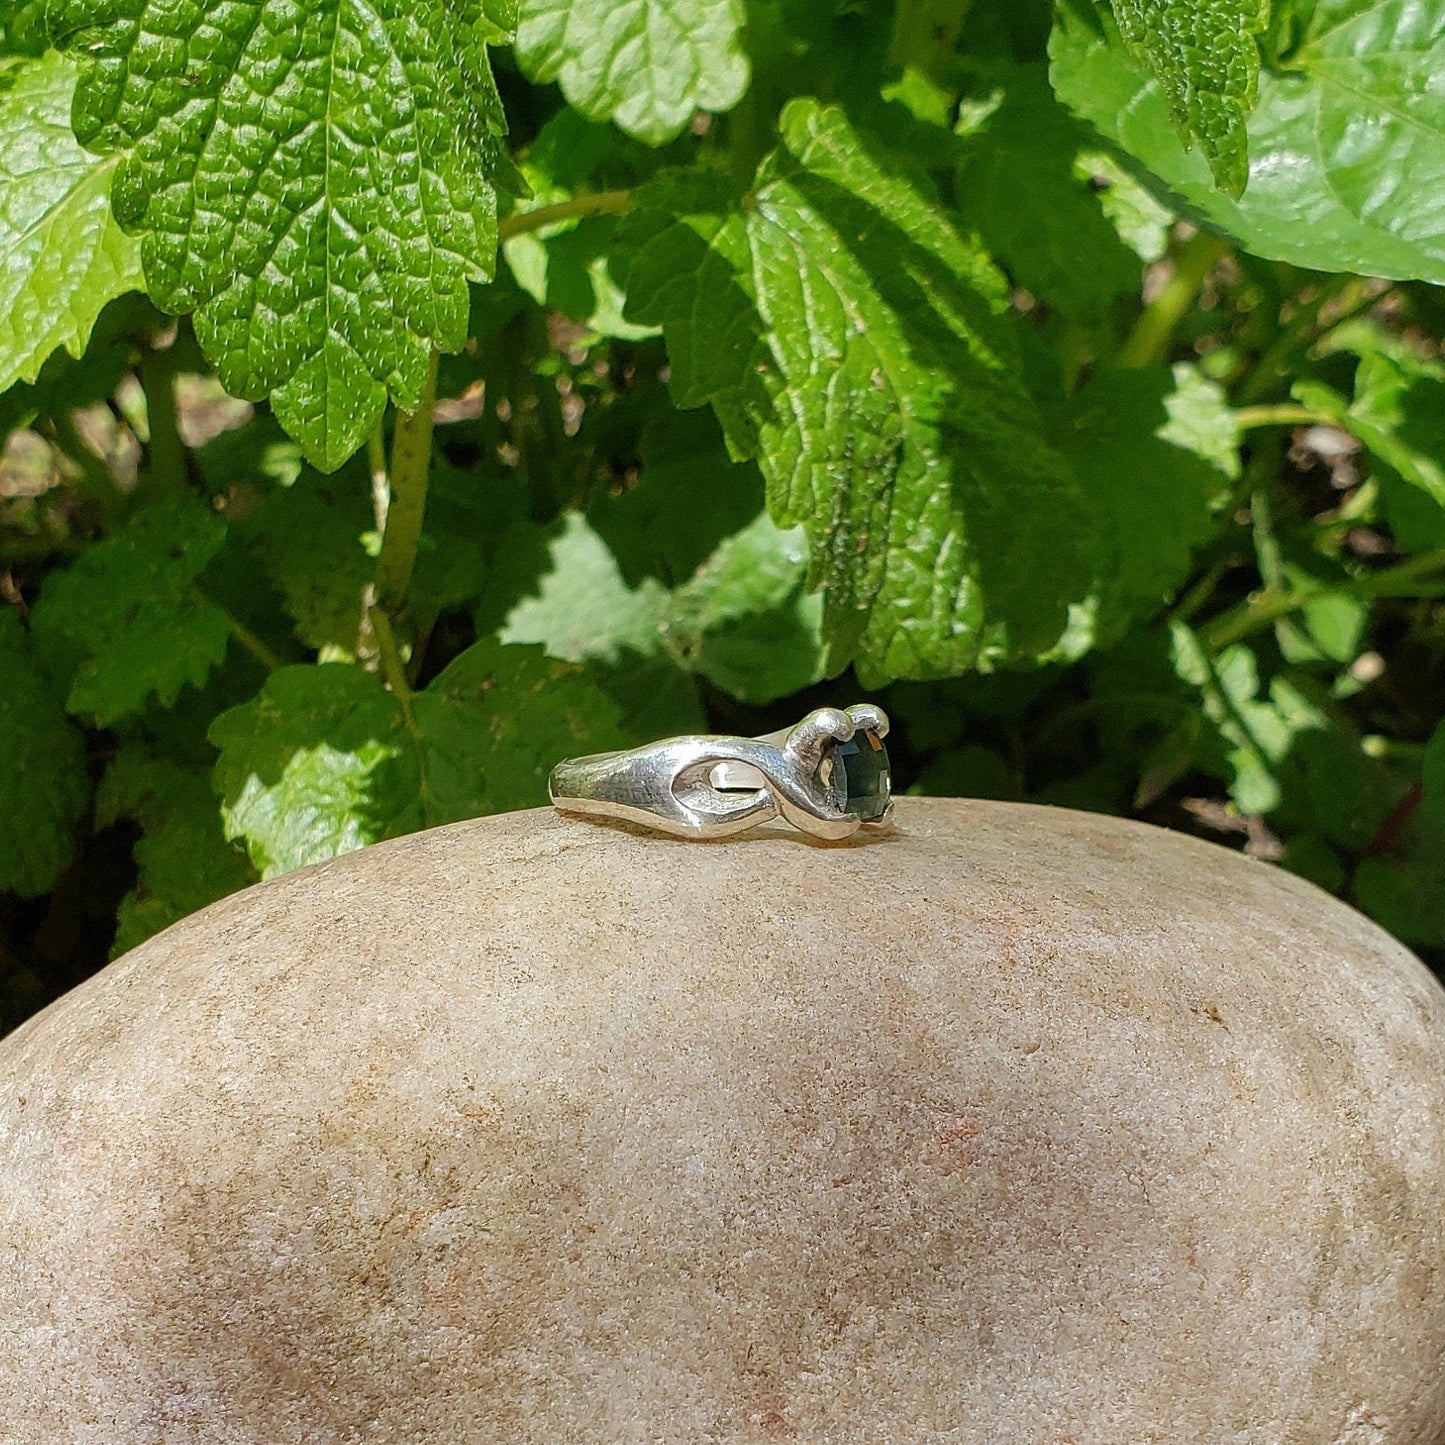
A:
(869, 717)
(822, 726)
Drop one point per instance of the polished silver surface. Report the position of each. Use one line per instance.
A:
(711, 787)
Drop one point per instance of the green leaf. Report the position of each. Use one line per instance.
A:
(1337, 789)
(62, 256)
(309, 536)
(183, 859)
(1140, 220)
(1258, 729)
(43, 784)
(495, 722)
(690, 496)
(746, 620)
(563, 267)
(1398, 408)
(682, 575)
(315, 181)
(1331, 624)
(1018, 187)
(1144, 449)
(1311, 857)
(23, 27)
(128, 614)
(848, 336)
(1404, 891)
(584, 608)
(1346, 145)
(1206, 59)
(645, 64)
(325, 760)
(318, 765)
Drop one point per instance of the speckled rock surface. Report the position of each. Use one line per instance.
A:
(1020, 1126)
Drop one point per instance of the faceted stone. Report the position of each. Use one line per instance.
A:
(1011, 1124)
(863, 764)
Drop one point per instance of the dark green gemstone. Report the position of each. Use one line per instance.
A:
(860, 772)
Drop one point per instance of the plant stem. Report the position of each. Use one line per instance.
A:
(166, 453)
(1202, 590)
(1284, 413)
(376, 464)
(1356, 296)
(243, 634)
(1406, 579)
(253, 644)
(925, 34)
(1148, 345)
(1257, 611)
(406, 509)
(749, 132)
(579, 208)
(1389, 581)
(393, 668)
(1268, 555)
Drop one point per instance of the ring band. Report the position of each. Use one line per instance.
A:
(828, 776)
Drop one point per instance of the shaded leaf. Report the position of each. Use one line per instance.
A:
(1258, 723)
(1405, 891)
(183, 859)
(496, 721)
(584, 608)
(44, 786)
(1019, 188)
(1134, 440)
(127, 614)
(1433, 778)
(310, 536)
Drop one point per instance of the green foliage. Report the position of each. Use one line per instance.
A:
(365, 144)
(1020, 188)
(1205, 57)
(930, 351)
(849, 336)
(183, 861)
(62, 256)
(130, 615)
(646, 64)
(1346, 144)
(1144, 446)
(325, 760)
(43, 786)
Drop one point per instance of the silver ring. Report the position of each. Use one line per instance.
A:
(828, 775)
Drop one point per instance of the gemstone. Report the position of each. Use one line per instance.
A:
(860, 773)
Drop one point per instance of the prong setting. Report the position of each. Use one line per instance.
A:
(869, 717)
(821, 727)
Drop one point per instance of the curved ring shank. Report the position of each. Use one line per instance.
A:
(700, 787)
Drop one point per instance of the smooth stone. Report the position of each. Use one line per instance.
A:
(1019, 1125)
